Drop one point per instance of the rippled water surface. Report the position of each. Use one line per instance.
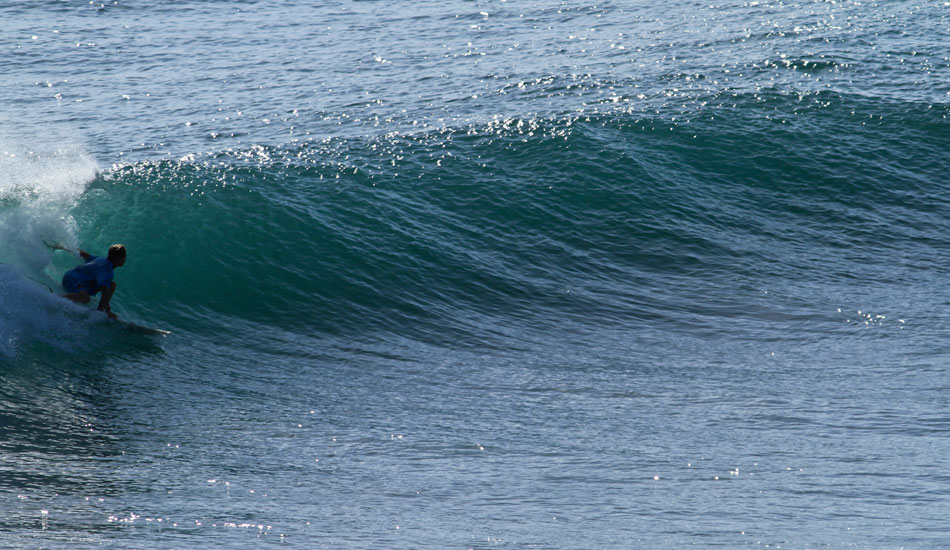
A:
(477, 274)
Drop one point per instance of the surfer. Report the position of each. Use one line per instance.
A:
(93, 277)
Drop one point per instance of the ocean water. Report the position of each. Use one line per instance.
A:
(477, 274)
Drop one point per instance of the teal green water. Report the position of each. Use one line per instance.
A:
(581, 222)
(477, 275)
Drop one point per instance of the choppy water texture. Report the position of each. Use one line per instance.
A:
(477, 274)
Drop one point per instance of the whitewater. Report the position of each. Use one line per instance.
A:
(477, 274)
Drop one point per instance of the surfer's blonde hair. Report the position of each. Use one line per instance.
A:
(116, 251)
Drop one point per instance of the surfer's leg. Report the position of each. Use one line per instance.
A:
(81, 297)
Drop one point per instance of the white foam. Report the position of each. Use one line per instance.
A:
(30, 313)
(43, 164)
(42, 174)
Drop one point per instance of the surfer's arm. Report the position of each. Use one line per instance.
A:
(82, 253)
(107, 292)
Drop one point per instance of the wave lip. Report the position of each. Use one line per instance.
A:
(42, 175)
(47, 167)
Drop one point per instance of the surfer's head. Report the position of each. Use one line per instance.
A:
(117, 255)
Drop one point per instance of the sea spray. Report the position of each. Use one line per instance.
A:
(41, 177)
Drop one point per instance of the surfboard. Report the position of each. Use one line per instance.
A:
(132, 327)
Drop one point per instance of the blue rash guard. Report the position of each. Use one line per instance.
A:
(89, 277)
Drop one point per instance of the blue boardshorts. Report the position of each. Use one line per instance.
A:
(74, 283)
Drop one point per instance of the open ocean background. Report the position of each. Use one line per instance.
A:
(478, 274)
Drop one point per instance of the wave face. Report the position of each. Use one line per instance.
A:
(513, 228)
(755, 218)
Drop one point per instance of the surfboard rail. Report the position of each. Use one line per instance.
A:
(141, 329)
